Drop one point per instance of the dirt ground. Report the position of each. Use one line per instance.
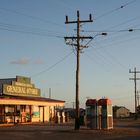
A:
(123, 129)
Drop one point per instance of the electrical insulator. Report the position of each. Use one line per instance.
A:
(66, 19)
(90, 17)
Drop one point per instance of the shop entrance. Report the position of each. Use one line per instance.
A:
(23, 113)
(41, 112)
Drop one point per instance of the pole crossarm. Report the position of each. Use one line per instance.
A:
(134, 78)
(81, 37)
(79, 21)
(82, 21)
(134, 71)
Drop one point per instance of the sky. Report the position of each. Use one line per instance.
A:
(32, 44)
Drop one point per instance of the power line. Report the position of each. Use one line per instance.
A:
(117, 42)
(116, 9)
(125, 22)
(66, 5)
(30, 32)
(120, 24)
(30, 16)
(114, 59)
(23, 27)
(114, 44)
(109, 55)
(112, 31)
(102, 62)
(52, 66)
(104, 59)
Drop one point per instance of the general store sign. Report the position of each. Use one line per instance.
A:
(14, 83)
(20, 90)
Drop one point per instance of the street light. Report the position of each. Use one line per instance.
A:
(104, 34)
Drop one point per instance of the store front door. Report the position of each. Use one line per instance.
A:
(23, 113)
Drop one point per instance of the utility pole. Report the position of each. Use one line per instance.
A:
(73, 104)
(78, 48)
(138, 97)
(50, 93)
(135, 86)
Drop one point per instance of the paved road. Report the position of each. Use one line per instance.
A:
(126, 130)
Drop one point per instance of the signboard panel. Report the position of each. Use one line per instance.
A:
(14, 83)
(20, 90)
(23, 79)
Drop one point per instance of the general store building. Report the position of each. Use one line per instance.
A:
(21, 102)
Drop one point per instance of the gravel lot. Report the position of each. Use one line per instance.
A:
(123, 129)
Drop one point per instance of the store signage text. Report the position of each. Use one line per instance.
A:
(20, 90)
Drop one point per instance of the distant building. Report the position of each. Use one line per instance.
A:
(120, 112)
(20, 101)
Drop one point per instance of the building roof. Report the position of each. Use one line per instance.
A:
(115, 108)
(104, 101)
(91, 102)
(8, 97)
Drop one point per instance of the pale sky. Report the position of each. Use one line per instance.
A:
(32, 44)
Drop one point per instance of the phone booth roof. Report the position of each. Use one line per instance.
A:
(91, 102)
(104, 101)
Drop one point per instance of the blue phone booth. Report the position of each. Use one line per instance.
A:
(92, 113)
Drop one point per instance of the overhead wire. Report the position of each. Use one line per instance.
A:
(112, 31)
(116, 9)
(23, 27)
(106, 33)
(113, 37)
(115, 60)
(103, 58)
(111, 56)
(50, 22)
(65, 5)
(100, 62)
(113, 10)
(38, 18)
(122, 30)
(122, 40)
(124, 22)
(53, 65)
(108, 30)
(101, 55)
(30, 16)
(120, 24)
(30, 30)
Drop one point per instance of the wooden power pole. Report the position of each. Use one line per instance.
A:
(135, 86)
(78, 48)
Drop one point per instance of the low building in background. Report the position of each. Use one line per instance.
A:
(120, 112)
(21, 102)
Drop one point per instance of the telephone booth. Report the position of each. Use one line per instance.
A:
(91, 114)
(105, 115)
